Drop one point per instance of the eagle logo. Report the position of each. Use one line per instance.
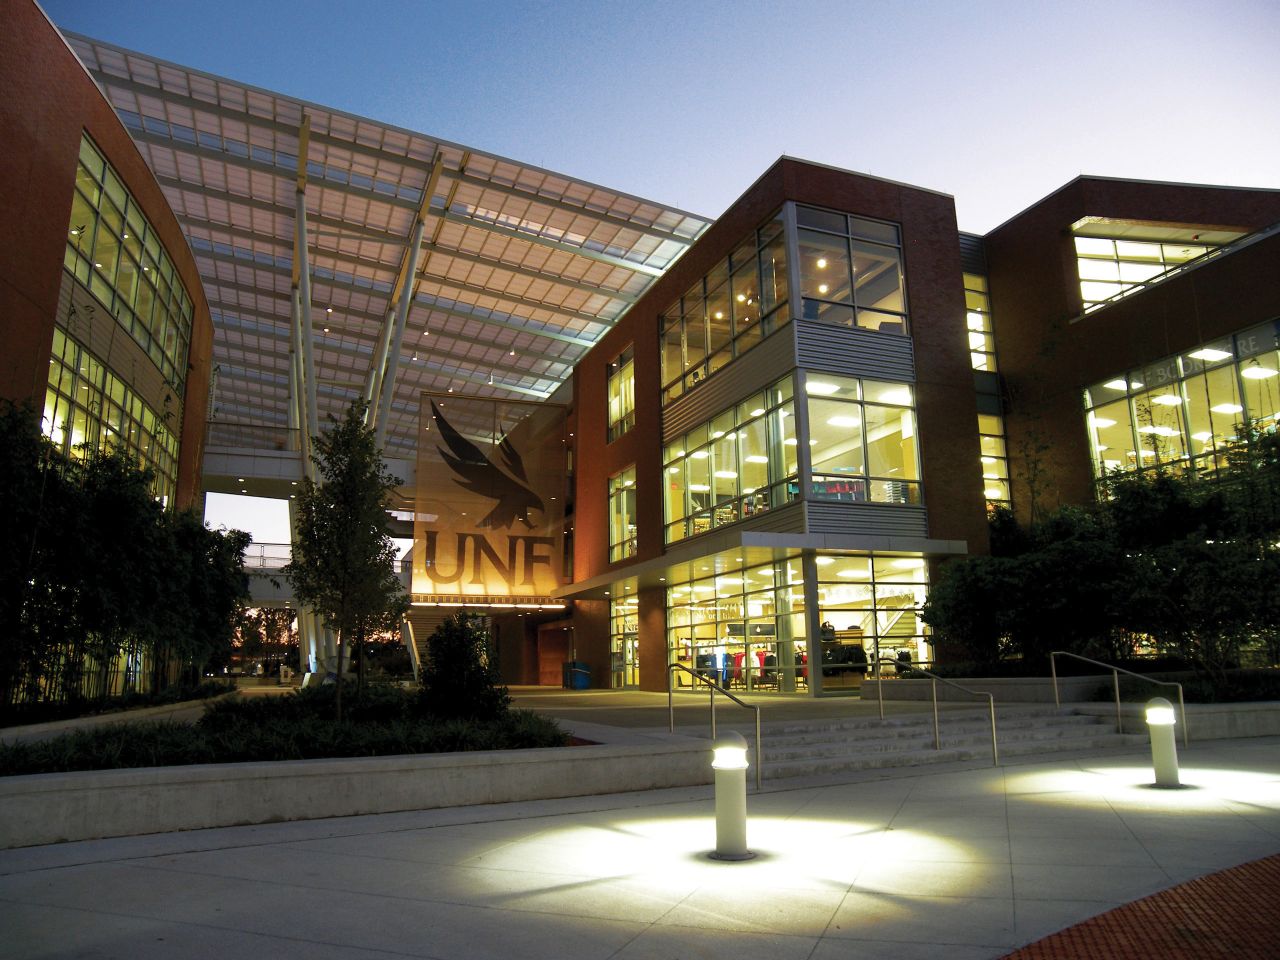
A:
(477, 474)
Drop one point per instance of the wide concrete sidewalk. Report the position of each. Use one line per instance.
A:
(962, 862)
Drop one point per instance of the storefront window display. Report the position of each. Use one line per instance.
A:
(862, 440)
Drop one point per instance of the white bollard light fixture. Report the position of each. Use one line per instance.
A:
(730, 764)
(1164, 748)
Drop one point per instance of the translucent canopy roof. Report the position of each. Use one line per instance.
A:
(522, 270)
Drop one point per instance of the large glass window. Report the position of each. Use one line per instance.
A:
(727, 312)
(622, 394)
(862, 440)
(982, 344)
(1183, 412)
(851, 271)
(744, 629)
(88, 408)
(869, 606)
(739, 464)
(622, 515)
(1111, 266)
(113, 250)
(995, 461)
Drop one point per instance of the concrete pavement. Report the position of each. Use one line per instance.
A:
(965, 862)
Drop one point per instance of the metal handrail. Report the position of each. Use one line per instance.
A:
(1115, 683)
(933, 688)
(713, 687)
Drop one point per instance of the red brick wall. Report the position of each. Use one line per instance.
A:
(1046, 361)
(48, 101)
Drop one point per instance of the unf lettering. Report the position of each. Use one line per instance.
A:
(474, 559)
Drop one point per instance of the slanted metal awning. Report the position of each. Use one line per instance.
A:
(520, 270)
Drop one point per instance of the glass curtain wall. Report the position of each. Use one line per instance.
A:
(869, 606)
(740, 463)
(624, 638)
(1184, 411)
(726, 313)
(622, 394)
(748, 629)
(851, 271)
(862, 440)
(622, 515)
(88, 408)
(745, 630)
(113, 250)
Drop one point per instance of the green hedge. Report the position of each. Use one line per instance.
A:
(384, 722)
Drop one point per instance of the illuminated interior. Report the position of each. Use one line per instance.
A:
(621, 392)
(88, 408)
(851, 271)
(994, 461)
(1114, 258)
(982, 343)
(727, 312)
(622, 514)
(1184, 411)
(113, 250)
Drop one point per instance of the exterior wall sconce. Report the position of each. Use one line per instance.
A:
(1164, 748)
(730, 764)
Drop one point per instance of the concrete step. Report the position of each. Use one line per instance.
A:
(799, 749)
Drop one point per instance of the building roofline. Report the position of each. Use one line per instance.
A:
(1138, 180)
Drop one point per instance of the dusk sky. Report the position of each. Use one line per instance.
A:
(687, 103)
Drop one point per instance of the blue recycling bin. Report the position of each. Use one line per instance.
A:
(576, 675)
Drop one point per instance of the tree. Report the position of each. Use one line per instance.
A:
(344, 560)
(460, 678)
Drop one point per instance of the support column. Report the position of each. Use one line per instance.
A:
(388, 385)
(812, 619)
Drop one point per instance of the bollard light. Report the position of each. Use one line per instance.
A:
(1164, 748)
(730, 764)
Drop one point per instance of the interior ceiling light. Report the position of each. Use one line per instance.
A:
(822, 263)
(1166, 400)
(821, 388)
(1209, 354)
(1227, 408)
(1116, 385)
(1103, 422)
(1257, 373)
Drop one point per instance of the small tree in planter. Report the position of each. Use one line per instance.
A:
(460, 678)
(344, 560)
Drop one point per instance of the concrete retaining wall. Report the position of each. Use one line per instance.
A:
(1205, 721)
(48, 808)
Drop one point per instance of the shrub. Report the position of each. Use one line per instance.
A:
(460, 678)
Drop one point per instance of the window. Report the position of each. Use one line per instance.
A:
(995, 461)
(727, 312)
(622, 515)
(872, 602)
(88, 408)
(622, 394)
(1111, 266)
(740, 463)
(1184, 411)
(982, 345)
(862, 440)
(113, 250)
(624, 641)
(851, 271)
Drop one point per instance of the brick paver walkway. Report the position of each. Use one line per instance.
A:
(1232, 914)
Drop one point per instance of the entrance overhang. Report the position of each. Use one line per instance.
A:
(729, 550)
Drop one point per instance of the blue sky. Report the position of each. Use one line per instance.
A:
(996, 103)
(687, 103)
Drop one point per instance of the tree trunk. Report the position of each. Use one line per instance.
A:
(360, 652)
(337, 698)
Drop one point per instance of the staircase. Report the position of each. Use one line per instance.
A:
(815, 748)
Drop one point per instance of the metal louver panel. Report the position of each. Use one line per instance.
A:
(884, 520)
(854, 353)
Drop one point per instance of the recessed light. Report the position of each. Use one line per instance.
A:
(1209, 354)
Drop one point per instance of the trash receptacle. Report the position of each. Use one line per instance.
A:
(576, 676)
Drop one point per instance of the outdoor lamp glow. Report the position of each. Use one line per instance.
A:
(1164, 749)
(730, 764)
